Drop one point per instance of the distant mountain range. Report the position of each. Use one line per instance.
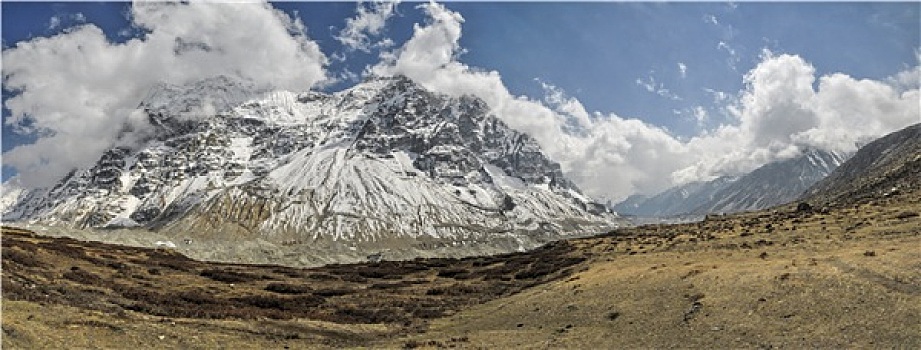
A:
(769, 185)
(381, 165)
(677, 200)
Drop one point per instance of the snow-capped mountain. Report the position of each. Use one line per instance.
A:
(385, 161)
(775, 183)
(677, 200)
(772, 184)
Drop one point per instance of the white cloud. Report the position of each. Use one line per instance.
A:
(58, 21)
(906, 80)
(612, 158)
(711, 19)
(369, 21)
(776, 114)
(780, 111)
(734, 57)
(784, 106)
(683, 69)
(909, 79)
(54, 22)
(572, 114)
(719, 97)
(650, 84)
(700, 114)
(78, 91)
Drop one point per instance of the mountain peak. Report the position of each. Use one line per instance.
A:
(382, 162)
(772, 184)
(210, 95)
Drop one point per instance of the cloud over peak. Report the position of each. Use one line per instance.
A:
(79, 90)
(775, 116)
(783, 110)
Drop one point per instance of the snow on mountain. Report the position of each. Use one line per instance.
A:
(772, 184)
(675, 201)
(199, 98)
(10, 194)
(775, 183)
(385, 161)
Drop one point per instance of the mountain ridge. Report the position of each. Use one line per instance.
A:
(383, 161)
(772, 184)
(880, 169)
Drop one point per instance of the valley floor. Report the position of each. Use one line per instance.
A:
(848, 277)
(850, 294)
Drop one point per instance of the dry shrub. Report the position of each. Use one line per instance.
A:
(228, 276)
(452, 272)
(320, 277)
(369, 315)
(15, 255)
(285, 288)
(82, 276)
(354, 278)
(427, 312)
(333, 292)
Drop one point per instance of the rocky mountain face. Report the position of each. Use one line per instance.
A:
(888, 166)
(677, 200)
(772, 184)
(380, 165)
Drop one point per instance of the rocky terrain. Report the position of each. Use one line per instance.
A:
(385, 166)
(826, 274)
(896, 163)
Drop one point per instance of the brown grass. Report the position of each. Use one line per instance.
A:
(844, 277)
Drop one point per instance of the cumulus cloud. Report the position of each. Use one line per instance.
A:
(430, 58)
(909, 79)
(607, 157)
(78, 92)
(614, 156)
(783, 110)
(369, 21)
(778, 114)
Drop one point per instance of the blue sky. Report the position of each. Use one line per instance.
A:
(653, 62)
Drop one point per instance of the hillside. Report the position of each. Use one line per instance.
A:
(847, 277)
(882, 168)
(847, 274)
